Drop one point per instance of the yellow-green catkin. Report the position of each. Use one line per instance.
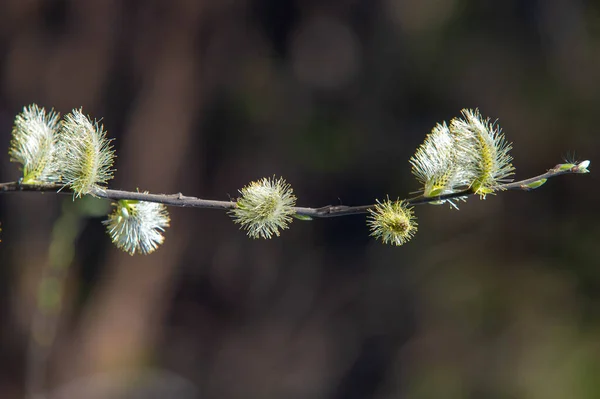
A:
(486, 149)
(86, 155)
(265, 207)
(33, 144)
(137, 226)
(392, 222)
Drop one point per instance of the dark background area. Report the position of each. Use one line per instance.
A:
(498, 300)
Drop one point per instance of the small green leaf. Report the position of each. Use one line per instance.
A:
(434, 192)
(302, 217)
(536, 184)
(565, 166)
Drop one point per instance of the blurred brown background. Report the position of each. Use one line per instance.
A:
(498, 300)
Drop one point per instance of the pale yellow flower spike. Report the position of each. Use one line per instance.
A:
(265, 207)
(137, 226)
(33, 144)
(487, 150)
(86, 154)
(393, 222)
(438, 165)
(434, 161)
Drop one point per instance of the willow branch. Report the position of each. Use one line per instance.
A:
(322, 212)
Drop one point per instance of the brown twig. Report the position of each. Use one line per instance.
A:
(322, 212)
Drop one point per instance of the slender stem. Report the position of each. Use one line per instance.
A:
(323, 212)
